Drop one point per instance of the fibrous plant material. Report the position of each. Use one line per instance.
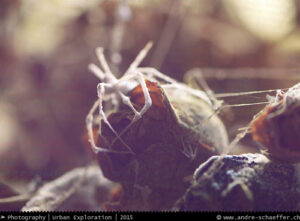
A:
(77, 190)
(152, 149)
(248, 182)
(277, 126)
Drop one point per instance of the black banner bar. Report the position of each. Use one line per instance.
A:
(135, 216)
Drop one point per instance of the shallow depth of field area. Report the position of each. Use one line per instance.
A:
(242, 55)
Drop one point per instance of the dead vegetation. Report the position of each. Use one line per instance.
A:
(209, 73)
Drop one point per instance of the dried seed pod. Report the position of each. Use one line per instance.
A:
(248, 182)
(278, 126)
(171, 139)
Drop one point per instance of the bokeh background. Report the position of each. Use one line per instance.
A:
(46, 89)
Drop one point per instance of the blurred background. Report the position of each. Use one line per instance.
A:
(46, 89)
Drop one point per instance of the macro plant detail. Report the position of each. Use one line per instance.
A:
(179, 130)
(115, 90)
(172, 105)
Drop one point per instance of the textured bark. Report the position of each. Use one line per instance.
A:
(248, 182)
